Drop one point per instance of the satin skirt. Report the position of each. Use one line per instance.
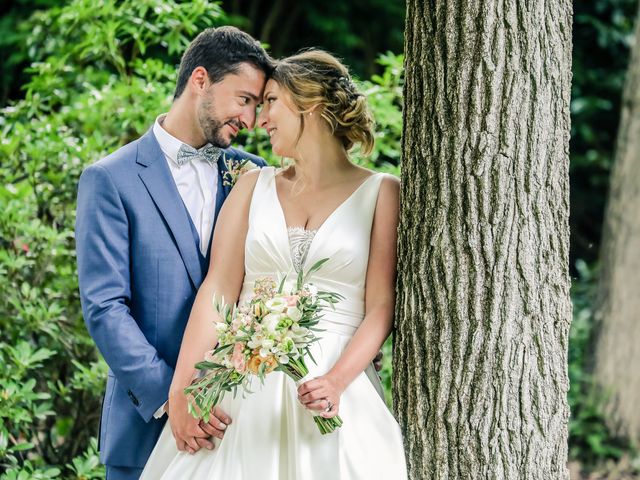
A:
(273, 437)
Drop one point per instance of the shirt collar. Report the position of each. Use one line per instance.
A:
(168, 143)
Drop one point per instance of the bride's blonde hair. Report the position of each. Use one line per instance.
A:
(317, 80)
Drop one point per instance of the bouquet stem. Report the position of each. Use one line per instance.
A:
(297, 370)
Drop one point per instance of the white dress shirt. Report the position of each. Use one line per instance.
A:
(197, 183)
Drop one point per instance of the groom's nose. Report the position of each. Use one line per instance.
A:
(262, 118)
(247, 118)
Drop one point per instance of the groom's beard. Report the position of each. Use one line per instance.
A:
(211, 126)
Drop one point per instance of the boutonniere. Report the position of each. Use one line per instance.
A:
(235, 168)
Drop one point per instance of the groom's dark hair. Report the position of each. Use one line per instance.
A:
(221, 51)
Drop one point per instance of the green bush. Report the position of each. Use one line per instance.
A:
(100, 75)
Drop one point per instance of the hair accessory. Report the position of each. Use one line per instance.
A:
(348, 86)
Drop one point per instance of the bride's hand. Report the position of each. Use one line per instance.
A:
(321, 394)
(190, 433)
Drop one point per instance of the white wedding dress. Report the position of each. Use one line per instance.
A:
(272, 436)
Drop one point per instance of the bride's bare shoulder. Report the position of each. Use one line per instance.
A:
(390, 183)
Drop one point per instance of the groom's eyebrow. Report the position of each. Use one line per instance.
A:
(250, 95)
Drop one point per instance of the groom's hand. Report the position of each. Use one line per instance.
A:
(377, 361)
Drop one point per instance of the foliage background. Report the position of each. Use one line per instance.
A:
(80, 79)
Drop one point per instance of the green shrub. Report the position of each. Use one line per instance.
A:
(100, 75)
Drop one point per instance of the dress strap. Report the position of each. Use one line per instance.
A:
(267, 175)
(369, 195)
(260, 191)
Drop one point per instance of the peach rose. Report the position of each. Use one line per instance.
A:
(256, 360)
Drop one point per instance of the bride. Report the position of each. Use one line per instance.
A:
(275, 221)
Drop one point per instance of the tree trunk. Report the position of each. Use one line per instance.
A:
(483, 306)
(617, 353)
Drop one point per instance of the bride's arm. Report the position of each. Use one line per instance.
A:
(379, 307)
(224, 279)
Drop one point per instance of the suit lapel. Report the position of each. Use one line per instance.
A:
(162, 188)
(221, 195)
(223, 189)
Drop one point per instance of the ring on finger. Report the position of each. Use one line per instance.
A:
(329, 406)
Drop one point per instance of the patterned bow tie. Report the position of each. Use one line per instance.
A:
(187, 153)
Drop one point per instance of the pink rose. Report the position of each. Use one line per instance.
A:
(292, 300)
(236, 324)
(237, 358)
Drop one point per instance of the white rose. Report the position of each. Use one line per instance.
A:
(298, 330)
(255, 341)
(277, 304)
(264, 352)
(270, 322)
(283, 359)
(268, 343)
(221, 327)
(294, 313)
(299, 334)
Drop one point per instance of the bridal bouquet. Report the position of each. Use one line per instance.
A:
(273, 330)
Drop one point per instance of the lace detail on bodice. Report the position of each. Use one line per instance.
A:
(299, 242)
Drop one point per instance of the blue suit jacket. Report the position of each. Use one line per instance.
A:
(139, 267)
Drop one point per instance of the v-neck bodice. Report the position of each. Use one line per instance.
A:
(343, 238)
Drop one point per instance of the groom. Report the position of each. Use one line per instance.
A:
(144, 223)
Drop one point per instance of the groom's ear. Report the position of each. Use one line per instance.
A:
(199, 80)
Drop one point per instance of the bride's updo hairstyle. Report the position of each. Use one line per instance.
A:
(318, 81)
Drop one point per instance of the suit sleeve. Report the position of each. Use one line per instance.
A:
(102, 247)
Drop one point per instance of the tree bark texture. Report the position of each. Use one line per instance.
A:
(483, 306)
(618, 351)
